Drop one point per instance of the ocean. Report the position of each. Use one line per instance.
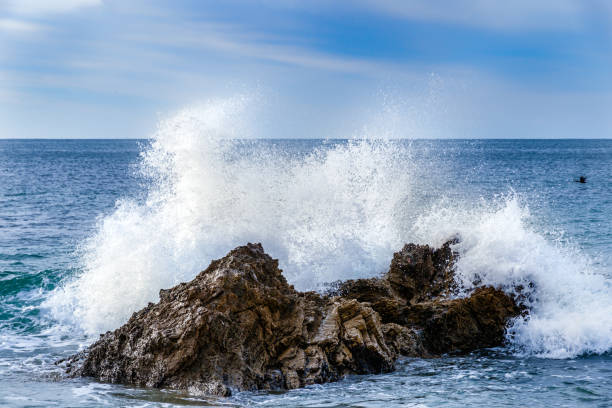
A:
(90, 230)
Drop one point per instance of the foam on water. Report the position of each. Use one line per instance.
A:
(337, 212)
(570, 304)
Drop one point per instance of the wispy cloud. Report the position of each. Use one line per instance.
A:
(516, 14)
(321, 60)
(23, 15)
(41, 7)
(18, 26)
(540, 15)
(237, 41)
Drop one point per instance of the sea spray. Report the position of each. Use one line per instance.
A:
(570, 304)
(336, 211)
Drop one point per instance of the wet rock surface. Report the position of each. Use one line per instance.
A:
(240, 326)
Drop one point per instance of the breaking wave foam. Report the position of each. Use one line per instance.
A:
(337, 211)
(570, 304)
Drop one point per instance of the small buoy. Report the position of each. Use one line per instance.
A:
(582, 179)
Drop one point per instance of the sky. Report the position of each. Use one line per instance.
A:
(311, 68)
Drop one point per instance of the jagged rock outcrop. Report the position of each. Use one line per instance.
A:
(419, 273)
(415, 294)
(239, 325)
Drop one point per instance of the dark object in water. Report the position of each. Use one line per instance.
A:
(582, 179)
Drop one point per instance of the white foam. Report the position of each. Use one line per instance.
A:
(571, 304)
(332, 214)
(335, 213)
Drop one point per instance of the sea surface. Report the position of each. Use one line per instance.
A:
(90, 230)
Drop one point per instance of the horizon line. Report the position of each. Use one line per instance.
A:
(308, 138)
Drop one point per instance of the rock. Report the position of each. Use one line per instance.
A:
(377, 292)
(405, 341)
(419, 273)
(240, 326)
(463, 325)
(415, 294)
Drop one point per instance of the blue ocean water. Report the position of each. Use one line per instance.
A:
(85, 222)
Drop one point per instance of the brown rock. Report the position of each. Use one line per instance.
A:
(377, 292)
(240, 326)
(419, 273)
(463, 325)
(405, 341)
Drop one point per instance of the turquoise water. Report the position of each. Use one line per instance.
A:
(82, 221)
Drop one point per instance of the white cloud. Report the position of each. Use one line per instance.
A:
(511, 15)
(235, 41)
(39, 7)
(501, 15)
(146, 57)
(17, 26)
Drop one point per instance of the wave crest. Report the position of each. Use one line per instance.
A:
(335, 211)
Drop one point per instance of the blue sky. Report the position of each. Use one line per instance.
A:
(421, 68)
